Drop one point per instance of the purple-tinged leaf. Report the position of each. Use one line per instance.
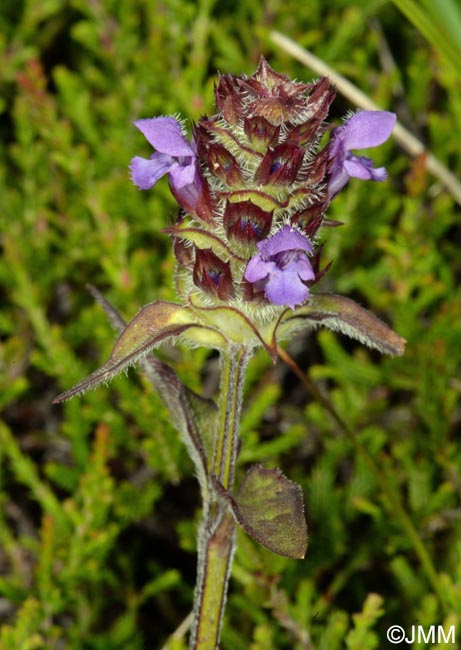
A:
(343, 315)
(194, 416)
(260, 132)
(263, 200)
(270, 509)
(151, 326)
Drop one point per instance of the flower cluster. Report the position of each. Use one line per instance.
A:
(254, 185)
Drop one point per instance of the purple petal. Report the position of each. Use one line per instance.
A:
(257, 269)
(367, 129)
(302, 266)
(145, 173)
(378, 173)
(165, 135)
(338, 180)
(285, 239)
(285, 288)
(358, 169)
(361, 167)
(181, 175)
(188, 195)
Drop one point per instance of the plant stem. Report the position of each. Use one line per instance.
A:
(216, 535)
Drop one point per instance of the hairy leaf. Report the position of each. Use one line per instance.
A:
(191, 413)
(151, 326)
(343, 315)
(270, 509)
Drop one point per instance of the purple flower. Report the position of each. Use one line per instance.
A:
(174, 156)
(281, 267)
(362, 130)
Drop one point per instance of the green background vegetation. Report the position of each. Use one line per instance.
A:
(98, 502)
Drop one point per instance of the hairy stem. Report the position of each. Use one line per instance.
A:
(216, 535)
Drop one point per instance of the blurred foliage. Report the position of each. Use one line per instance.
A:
(98, 502)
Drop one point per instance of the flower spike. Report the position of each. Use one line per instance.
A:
(254, 185)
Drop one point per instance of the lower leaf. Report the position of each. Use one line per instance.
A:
(270, 509)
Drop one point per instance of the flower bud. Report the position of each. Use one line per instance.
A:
(245, 222)
(212, 275)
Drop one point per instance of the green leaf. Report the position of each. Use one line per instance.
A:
(362, 634)
(270, 509)
(439, 22)
(343, 315)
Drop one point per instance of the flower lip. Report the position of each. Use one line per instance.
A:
(286, 239)
(282, 267)
(362, 130)
(365, 129)
(146, 172)
(165, 135)
(174, 156)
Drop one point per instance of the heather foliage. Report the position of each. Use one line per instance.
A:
(98, 498)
